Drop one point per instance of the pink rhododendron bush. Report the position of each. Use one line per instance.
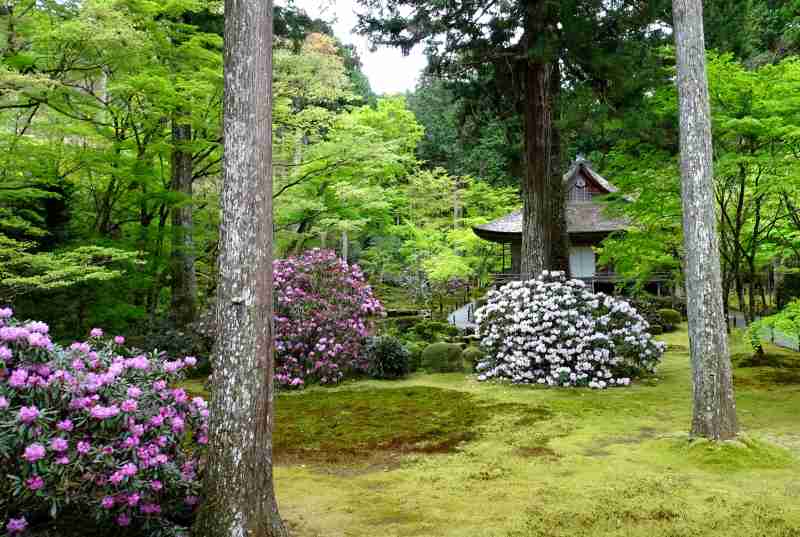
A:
(323, 313)
(92, 434)
(557, 332)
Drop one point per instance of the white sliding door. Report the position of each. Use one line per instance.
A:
(581, 262)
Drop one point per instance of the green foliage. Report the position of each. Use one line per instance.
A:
(670, 319)
(387, 357)
(786, 321)
(788, 287)
(432, 331)
(442, 358)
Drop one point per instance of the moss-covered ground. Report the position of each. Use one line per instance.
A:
(442, 455)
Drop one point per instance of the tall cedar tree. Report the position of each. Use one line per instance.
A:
(239, 486)
(714, 414)
(522, 52)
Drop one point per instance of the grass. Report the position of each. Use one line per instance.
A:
(442, 455)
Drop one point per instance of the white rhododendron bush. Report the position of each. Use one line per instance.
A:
(558, 332)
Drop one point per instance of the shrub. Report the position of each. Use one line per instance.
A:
(557, 332)
(648, 309)
(670, 319)
(388, 358)
(442, 358)
(472, 357)
(92, 434)
(415, 355)
(432, 331)
(322, 318)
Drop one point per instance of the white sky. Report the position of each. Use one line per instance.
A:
(387, 69)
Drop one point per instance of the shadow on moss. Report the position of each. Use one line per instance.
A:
(351, 425)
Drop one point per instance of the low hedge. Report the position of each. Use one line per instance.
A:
(670, 319)
(442, 358)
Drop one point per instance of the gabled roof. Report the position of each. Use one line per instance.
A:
(582, 216)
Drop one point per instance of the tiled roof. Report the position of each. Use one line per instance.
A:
(582, 216)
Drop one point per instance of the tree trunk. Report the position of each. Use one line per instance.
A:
(714, 413)
(184, 277)
(345, 246)
(240, 495)
(544, 242)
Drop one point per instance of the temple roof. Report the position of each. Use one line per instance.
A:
(583, 217)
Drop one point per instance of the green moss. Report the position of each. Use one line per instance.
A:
(744, 453)
(337, 425)
(442, 358)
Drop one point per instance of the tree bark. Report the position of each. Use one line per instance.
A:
(544, 238)
(714, 413)
(240, 495)
(184, 277)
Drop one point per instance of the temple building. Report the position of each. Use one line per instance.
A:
(587, 225)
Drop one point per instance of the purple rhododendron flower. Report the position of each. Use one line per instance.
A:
(83, 447)
(119, 340)
(16, 525)
(123, 520)
(3, 403)
(65, 425)
(6, 313)
(134, 392)
(28, 414)
(107, 502)
(59, 444)
(34, 483)
(34, 452)
(129, 405)
(5, 353)
(96, 332)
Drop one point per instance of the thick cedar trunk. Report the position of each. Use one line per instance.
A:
(239, 487)
(184, 277)
(544, 239)
(714, 414)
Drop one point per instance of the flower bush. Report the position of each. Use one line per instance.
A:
(93, 434)
(323, 314)
(558, 332)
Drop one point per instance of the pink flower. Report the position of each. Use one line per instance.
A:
(6, 313)
(129, 405)
(133, 499)
(150, 508)
(18, 378)
(191, 361)
(5, 353)
(116, 478)
(34, 483)
(62, 460)
(119, 340)
(134, 392)
(15, 525)
(83, 447)
(107, 502)
(65, 425)
(123, 520)
(177, 424)
(96, 332)
(34, 452)
(59, 444)
(156, 485)
(129, 469)
(3, 403)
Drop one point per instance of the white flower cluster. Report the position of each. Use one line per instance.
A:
(557, 332)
